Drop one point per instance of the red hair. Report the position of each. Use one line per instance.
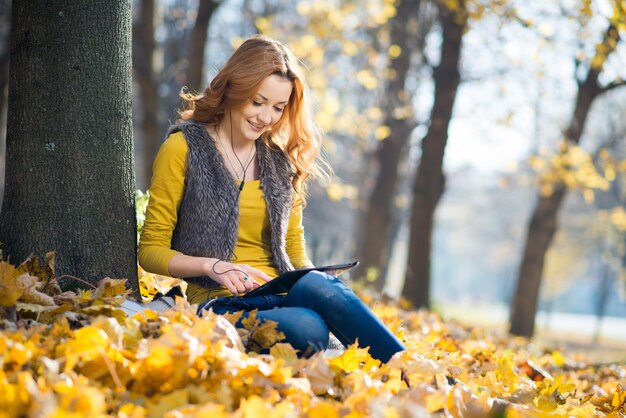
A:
(236, 83)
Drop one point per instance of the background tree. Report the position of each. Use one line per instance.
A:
(197, 43)
(346, 49)
(149, 112)
(398, 124)
(543, 223)
(162, 68)
(69, 184)
(430, 180)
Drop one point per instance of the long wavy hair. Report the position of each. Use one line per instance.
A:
(236, 83)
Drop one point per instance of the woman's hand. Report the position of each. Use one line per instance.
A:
(237, 278)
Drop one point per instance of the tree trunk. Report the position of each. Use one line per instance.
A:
(144, 47)
(543, 224)
(430, 180)
(70, 186)
(542, 228)
(197, 43)
(5, 25)
(606, 282)
(376, 220)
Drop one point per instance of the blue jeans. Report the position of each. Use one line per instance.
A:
(316, 304)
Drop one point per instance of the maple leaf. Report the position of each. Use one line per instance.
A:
(110, 288)
(65, 297)
(286, 353)
(264, 335)
(353, 358)
(31, 265)
(318, 371)
(229, 330)
(619, 397)
(10, 288)
(31, 293)
(31, 310)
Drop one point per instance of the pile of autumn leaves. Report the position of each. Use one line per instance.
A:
(66, 354)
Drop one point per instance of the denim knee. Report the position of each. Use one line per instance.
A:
(315, 287)
(304, 329)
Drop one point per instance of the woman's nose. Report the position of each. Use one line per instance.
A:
(265, 117)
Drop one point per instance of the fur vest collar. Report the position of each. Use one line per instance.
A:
(208, 216)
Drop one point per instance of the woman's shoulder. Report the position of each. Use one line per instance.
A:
(188, 128)
(175, 143)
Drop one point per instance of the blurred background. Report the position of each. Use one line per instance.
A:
(478, 146)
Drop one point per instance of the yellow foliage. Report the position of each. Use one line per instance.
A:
(382, 132)
(394, 51)
(174, 364)
(618, 218)
(337, 191)
(573, 168)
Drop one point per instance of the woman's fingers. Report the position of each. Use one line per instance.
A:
(248, 283)
(238, 283)
(229, 285)
(259, 274)
(238, 278)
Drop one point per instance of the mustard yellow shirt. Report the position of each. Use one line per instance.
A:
(253, 244)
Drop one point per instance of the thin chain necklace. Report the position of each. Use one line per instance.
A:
(245, 167)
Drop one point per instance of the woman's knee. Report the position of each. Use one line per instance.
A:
(304, 329)
(316, 286)
(312, 329)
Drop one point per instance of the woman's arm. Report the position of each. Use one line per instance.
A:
(166, 193)
(296, 246)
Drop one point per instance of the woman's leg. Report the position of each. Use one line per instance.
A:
(304, 329)
(345, 314)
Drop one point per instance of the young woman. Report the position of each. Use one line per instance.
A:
(226, 199)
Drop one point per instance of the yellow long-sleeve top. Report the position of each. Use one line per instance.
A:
(253, 244)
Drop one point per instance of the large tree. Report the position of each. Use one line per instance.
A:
(70, 186)
(377, 217)
(543, 222)
(430, 179)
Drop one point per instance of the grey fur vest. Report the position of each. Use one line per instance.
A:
(208, 216)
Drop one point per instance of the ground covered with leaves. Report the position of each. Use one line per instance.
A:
(78, 354)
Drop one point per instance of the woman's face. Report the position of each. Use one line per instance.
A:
(263, 110)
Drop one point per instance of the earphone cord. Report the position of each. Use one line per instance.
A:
(232, 146)
(225, 271)
(243, 179)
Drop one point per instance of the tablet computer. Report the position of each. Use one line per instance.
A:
(285, 281)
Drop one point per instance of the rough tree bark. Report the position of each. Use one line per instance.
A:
(543, 223)
(5, 24)
(70, 186)
(430, 179)
(376, 219)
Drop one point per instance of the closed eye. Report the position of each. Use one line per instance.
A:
(279, 109)
(257, 104)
